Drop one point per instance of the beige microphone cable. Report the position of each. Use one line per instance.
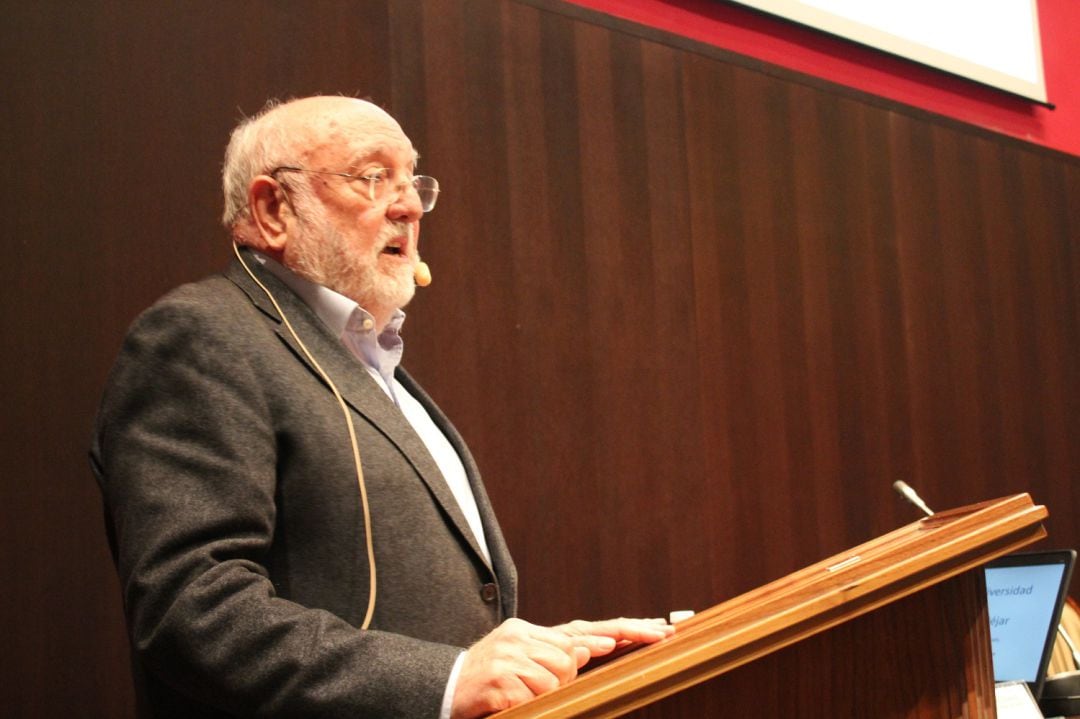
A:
(352, 436)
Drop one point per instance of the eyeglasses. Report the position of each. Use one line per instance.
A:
(380, 186)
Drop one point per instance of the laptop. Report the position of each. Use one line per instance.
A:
(1025, 594)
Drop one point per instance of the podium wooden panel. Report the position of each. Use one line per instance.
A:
(895, 627)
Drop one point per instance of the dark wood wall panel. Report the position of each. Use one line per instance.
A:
(732, 290)
(785, 293)
(694, 314)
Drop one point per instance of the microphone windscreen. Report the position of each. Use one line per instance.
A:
(422, 274)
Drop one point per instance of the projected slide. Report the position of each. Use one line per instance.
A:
(996, 43)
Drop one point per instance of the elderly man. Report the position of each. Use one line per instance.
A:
(298, 529)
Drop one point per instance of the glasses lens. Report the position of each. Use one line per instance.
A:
(427, 188)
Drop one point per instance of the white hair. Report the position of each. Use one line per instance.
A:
(257, 145)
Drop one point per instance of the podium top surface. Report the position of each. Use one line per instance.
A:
(806, 602)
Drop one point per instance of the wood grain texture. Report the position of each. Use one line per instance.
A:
(893, 627)
(694, 314)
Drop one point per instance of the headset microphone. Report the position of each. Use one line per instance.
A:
(422, 274)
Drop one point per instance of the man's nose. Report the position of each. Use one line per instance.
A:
(405, 206)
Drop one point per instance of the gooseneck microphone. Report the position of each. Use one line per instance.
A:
(912, 496)
(422, 274)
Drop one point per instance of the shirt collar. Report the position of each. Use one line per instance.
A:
(349, 322)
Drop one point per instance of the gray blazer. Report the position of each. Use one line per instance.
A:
(235, 520)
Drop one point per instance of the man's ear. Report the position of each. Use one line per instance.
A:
(271, 212)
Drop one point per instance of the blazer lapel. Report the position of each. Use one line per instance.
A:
(501, 562)
(356, 386)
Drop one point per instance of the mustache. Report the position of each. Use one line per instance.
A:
(394, 231)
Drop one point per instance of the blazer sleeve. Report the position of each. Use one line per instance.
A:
(185, 452)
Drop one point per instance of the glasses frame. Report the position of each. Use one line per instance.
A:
(372, 178)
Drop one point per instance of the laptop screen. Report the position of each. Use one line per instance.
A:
(1025, 593)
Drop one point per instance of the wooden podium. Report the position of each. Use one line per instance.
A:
(895, 627)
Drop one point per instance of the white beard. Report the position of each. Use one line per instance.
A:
(320, 253)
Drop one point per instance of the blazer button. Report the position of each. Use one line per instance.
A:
(489, 593)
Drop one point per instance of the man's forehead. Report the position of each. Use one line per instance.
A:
(363, 146)
(357, 130)
(345, 154)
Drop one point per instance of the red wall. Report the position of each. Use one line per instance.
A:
(756, 35)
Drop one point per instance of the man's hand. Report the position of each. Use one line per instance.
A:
(623, 631)
(518, 660)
